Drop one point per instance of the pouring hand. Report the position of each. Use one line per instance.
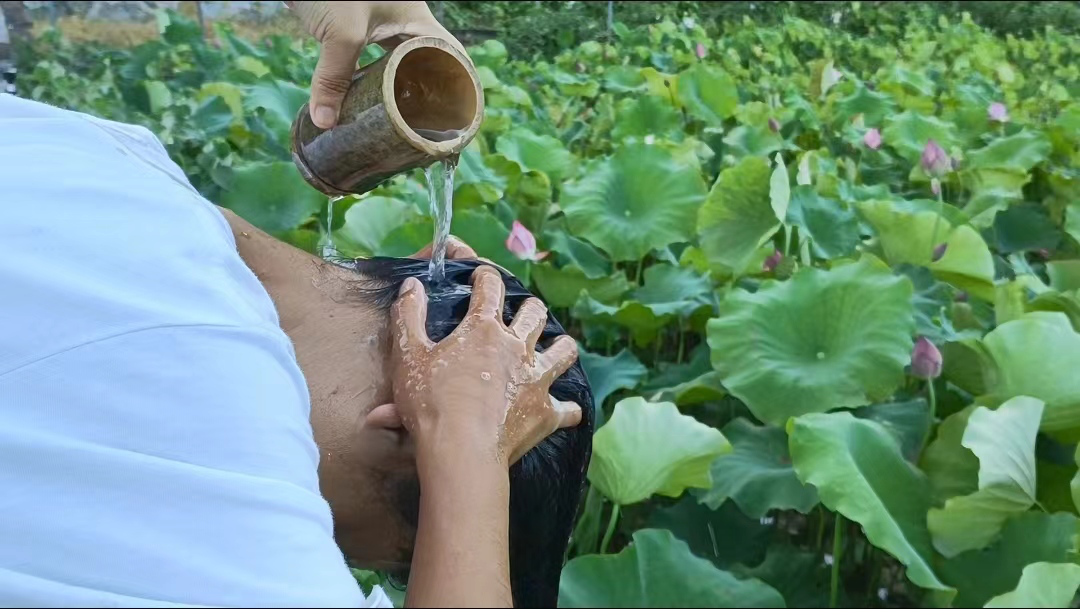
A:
(343, 29)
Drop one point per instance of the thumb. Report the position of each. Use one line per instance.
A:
(333, 76)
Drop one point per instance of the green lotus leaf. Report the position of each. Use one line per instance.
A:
(624, 79)
(1022, 228)
(280, 100)
(908, 132)
(980, 575)
(1019, 152)
(272, 196)
(610, 374)
(1004, 442)
(909, 238)
(831, 226)
(673, 290)
(909, 422)
(737, 217)
(1035, 356)
(369, 221)
(799, 575)
(561, 287)
(578, 253)
(953, 470)
(474, 182)
(757, 475)
(657, 570)
(725, 536)
(859, 472)
(1042, 584)
(822, 340)
(753, 141)
(873, 105)
(638, 200)
(646, 115)
(680, 452)
(1064, 274)
(534, 152)
(698, 390)
(669, 293)
(707, 92)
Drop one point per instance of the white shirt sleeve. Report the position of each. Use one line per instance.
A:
(155, 447)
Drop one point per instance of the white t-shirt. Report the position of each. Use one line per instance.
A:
(155, 447)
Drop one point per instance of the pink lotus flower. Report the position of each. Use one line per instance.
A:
(700, 51)
(522, 243)
(998, 112)
(935, 161)
(872, 139)
(774, 125)
(772, 261)
(925, 360)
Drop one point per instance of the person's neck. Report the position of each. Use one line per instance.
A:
(340, 341)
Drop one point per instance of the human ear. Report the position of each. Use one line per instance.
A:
(385, 416)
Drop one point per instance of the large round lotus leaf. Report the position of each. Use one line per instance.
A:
(646, 115)
(657, 570)
(1036, 356)
(680, 452)
(859, 472)
(757, 475)
(823, 340)
(737, 217)
(708, 93)
(910, 238)
(272, 196)
(536, 152)
(638, 200)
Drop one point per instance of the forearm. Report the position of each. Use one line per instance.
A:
(461, 558)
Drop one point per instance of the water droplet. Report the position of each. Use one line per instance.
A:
(821, 355)
(486, 376)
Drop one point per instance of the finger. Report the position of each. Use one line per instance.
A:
(568, 413)
(560, 356)
(384, 416)
(409, 317)
(487, 294)
(456, 249)
(333, 77)
(529, 322)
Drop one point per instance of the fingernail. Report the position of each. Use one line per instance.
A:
(324, 117)
(407, 286)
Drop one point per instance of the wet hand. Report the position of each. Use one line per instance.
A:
(484, 387)
(343, 29)
(456, 249)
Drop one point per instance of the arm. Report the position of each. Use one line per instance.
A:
(471, 421)
(461, 557)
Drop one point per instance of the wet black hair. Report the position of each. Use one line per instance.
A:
(546, 485)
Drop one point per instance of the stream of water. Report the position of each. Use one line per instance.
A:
(440, 181)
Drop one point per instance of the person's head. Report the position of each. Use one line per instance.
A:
(367, 472)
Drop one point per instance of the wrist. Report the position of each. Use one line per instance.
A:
(446, 453)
